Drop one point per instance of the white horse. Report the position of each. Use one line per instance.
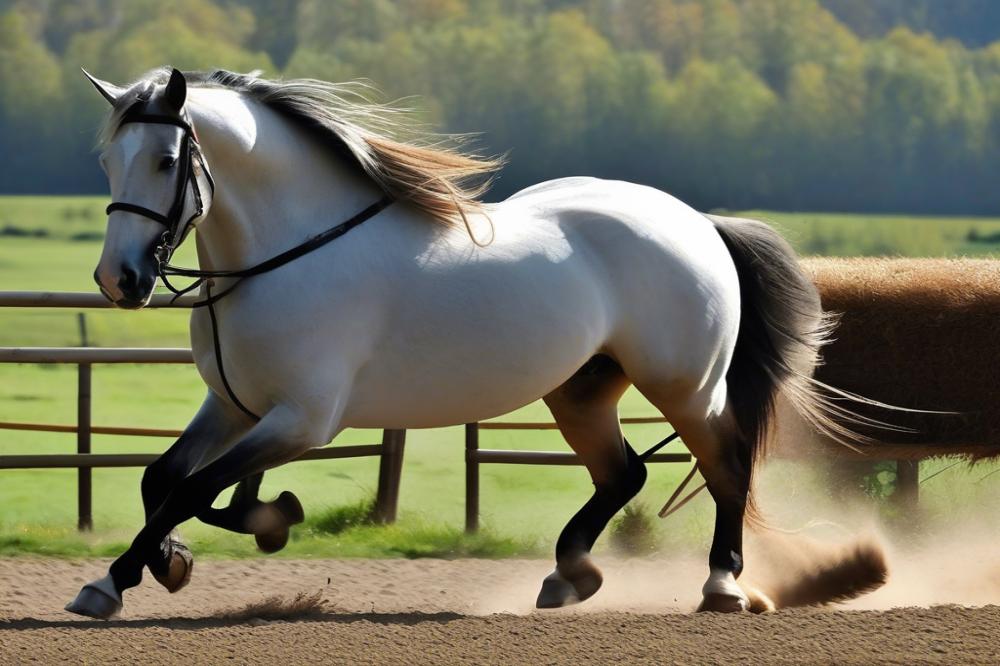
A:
(437, 310)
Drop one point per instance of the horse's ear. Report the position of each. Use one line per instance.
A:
(176, 91)
(108, 91)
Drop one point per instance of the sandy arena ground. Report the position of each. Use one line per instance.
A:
(464, 611)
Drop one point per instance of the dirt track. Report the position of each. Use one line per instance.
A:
(466, 611)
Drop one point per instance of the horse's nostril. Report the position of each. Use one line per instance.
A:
(129, 279)
(146, 283)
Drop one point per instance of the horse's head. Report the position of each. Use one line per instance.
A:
(159, 184)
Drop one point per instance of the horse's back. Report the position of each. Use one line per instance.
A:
(647, 244)
(670, 278)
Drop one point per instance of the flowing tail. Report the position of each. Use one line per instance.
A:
(804, 572)
(782, 331)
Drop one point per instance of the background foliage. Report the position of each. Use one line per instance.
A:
(871, 105)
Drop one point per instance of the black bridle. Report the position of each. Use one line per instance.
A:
(176, 230)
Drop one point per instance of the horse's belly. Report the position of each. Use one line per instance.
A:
(438, 392)
(463, 378)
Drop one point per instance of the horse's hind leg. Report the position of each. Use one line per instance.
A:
(585, 409)
(705, 423)
(723, 464)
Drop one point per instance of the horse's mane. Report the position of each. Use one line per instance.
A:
(432, 172)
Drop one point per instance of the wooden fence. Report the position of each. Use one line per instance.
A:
(390, 450)
(475, 456)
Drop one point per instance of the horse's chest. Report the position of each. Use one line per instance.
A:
(244, 350)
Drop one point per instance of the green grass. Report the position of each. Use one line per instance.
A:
(842, 235)
(523, 508)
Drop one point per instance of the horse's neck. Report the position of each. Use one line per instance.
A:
(274, 188)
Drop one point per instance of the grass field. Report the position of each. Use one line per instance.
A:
(52, 243)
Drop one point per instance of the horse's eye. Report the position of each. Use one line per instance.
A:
(167, 163)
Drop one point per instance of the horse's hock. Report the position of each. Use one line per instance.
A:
(921, 334)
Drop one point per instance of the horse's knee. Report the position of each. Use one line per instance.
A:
(624, 484)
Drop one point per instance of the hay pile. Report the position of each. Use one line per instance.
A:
(918, 333)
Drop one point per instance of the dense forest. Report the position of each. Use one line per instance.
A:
(874, 105)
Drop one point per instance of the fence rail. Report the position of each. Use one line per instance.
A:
(89, 355)
(83, 300)
(475, 456)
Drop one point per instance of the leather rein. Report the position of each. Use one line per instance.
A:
(176, 230)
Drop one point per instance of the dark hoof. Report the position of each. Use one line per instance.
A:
(98, 600)
(272, 542)
(290, 507)
(722, 603)
(579, 582)
(284, 512)
(556, 592)
(179, 571)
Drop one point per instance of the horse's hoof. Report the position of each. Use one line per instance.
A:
(556, 592)
(288, 512)
(98, 600)
(179, 571)
(722, 594)
(582, 580)
(290, 507)
(722, 603)
(273, 541)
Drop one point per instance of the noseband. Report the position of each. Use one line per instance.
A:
(190, 159)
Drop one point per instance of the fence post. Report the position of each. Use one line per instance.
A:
(471, 478)
(389, 473)
(84, 498)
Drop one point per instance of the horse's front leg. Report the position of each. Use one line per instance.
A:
(282, 435)
(214, 429)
